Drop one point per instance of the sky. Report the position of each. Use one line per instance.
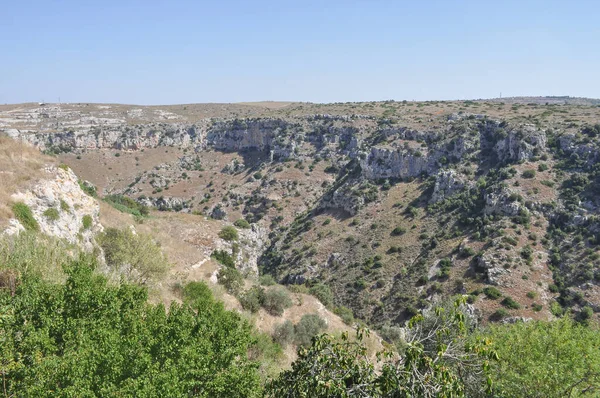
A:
(173, 52)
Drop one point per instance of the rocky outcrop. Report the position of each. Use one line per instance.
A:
(503, 202)
(253, 242)
(491, 268)
(511, 144)
(447, 183)
(521, 144)
(395, 163)
(165, 203)
(61, 208)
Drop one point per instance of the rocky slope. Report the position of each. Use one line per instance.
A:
(393, 205)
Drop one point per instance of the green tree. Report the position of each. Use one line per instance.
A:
(137, 255)
(88, 338)
(546, 359)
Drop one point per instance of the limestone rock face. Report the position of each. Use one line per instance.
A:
(394, 163)
(492, 270)
(501, 202)
(61, 191)
(253, 243)
(165, 203)
(521, 144)
(447, 183)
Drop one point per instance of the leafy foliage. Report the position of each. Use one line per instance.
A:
(134, 254)
(127, 205)
(323, 293)
(229, 233)
(546, 359)
(276, 300)
(88, 338)
(438, 360)
(309, 326)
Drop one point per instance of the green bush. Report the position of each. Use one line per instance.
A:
(398, 231)
(231, 279)
(267, 280)
(528, 173)
(88, 188)
(87, 222)
(252, 299)
(323, 293)
(64, 206)
(127, 205)
(309, 326)
(241, 223)
(345, 313)
(500, 314)
(224, 258)
(51, 214)
(509, 302)
(276, 300)
(542, 167)
(491, 292)
(137, 255)
(284, 333)
(197, 294)
(25, 216)
(90, 338)
(545, 359)
(229, 234)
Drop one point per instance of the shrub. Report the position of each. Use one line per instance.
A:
(23, 213)
(309, 326)
(528, 174)
(267, 280)
(345, 313)
(398, 231)
(258, 175)
(284, 333)
(492, 293)
(252, 299)
(241, 223)
(542, 167)
(197, 294)
(127, 205)
(531, 295)
(224, 258)
(231, 279)
(87, 221)
(229, 234)
(467, 252)
(88, 188)
(138, 256)
(51, 214)
(545, 359)
(327, 221)
(509, 302)
(500, 314)
(276, 300)
(64, 206)
(323, 293)
(536, 307)
(99, 329)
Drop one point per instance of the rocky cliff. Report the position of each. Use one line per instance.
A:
(61, 208)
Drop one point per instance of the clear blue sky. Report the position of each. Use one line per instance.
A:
(165, 52)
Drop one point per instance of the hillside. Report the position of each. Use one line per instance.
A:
(353, 214)
(394, 205)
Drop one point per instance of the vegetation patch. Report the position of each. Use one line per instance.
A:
(24, 214)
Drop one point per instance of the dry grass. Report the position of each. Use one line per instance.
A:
(20, 165)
